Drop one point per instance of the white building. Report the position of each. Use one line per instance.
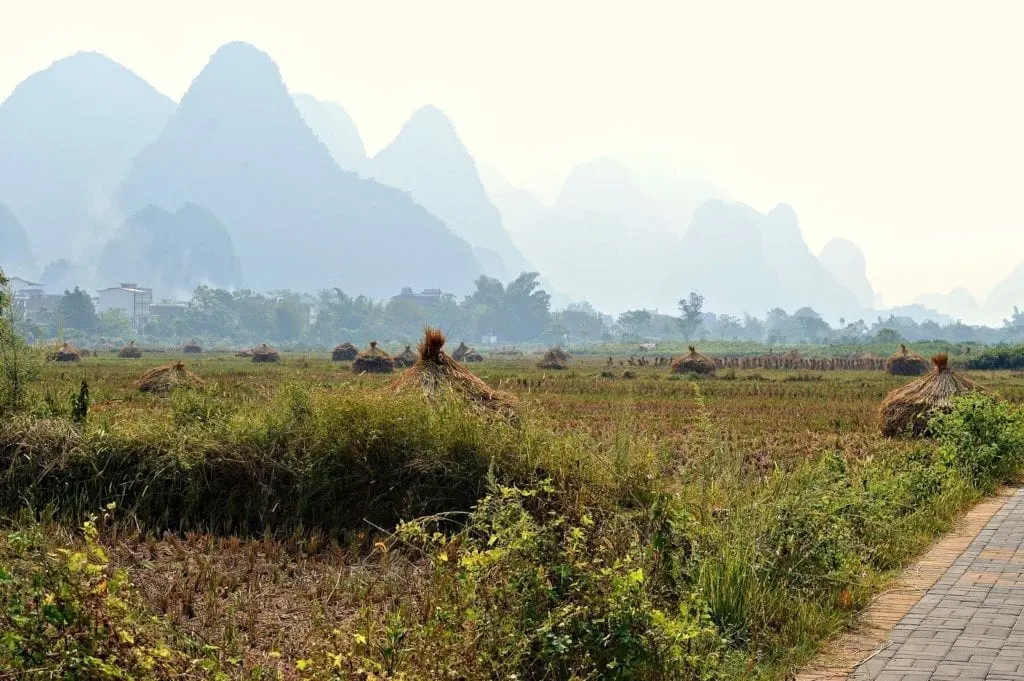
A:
(21, 286)
(131, 299)
(23, 292)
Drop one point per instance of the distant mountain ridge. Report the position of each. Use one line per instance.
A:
(16, 258)
(68, 134)
(238, 145)
(428, 160)
(336, 129)
(745, 261)
(634, 250)
(604, 240)
(846, 263)
(86, 141)
(172, 252)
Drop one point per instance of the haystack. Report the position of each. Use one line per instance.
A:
(906, 363)
(265, 354)
(192, 347)
(460, 352)
(345, 352)
(907, 409)
(163, 380)
(130, 351)
(555, 358)
(693, 363)
(435, 373)
(559, 353)
(406, 359)
(473, 356)
(373, 360)
(67, 353)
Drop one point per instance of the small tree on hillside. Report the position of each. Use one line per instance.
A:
(690, 311)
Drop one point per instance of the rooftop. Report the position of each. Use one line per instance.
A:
(24, 282)
(127, 287)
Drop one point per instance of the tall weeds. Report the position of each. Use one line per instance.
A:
(540, 556)
(309, 460)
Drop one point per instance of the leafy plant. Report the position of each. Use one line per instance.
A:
(65, 613)
(79, 410)
(20, 364)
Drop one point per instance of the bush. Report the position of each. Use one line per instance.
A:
(539, 594)
(19, 363)
(64, 613)
(999, 357)
(982, 438)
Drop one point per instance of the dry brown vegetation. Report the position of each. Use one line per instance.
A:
(437, 375)
(163, 380)
(373, 360)
(694, 363)
(264, 354)
(906, 363)
(344, 352)
(907, 409)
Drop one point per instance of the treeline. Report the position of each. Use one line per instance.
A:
(517, 312)
(1000, 357)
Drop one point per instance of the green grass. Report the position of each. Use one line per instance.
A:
(644, 528)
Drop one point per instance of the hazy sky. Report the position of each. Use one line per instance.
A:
(899, 125)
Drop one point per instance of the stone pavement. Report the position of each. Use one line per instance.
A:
(969, 625)
(955, 614)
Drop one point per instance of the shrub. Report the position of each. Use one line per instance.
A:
(540, 594)
(999, 357)
(20, 363)
(64, 613)
(983, 438)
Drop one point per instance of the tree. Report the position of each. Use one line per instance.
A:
(404, 319)
(20, 364)
(854, 332)
(634, 323)
(76, 311)
(888, 336)
(777, 326)
(211, 313)
(290, 315)
(115, 324)
(1014, 326)
(811, 327)
(529, 304)
(753, 328)
(580, 321)
(520, 311)
(728, 327)
(690, 310)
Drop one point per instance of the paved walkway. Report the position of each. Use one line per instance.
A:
(955, 614)
(969, 625)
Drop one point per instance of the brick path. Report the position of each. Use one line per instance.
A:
(955, 614)
(969, 625)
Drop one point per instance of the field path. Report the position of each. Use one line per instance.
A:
(955, 614)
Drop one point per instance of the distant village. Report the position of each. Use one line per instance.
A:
(136, 302)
